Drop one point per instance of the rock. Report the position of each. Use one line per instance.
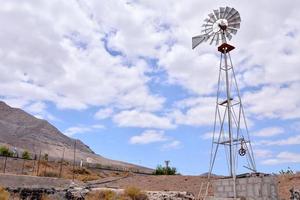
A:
(169, 195)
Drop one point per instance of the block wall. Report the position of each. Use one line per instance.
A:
(248, 188)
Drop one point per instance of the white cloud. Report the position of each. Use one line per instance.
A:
(175, 144)
(269, 132)
(293, 140)
(134, 118)
(75, 130)
(39, 110)
(274, 102)
(55, 57)
(82, 129)
(36, 107)
(283, 157)
(104, 113)
(198, 111)
(262, 153)
(63, 57)
(207, 136)
(148, 136)
(98, 126)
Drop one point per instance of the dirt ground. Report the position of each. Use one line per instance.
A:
(192, 183)
(285, 183)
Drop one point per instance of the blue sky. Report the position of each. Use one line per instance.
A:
(121, 76)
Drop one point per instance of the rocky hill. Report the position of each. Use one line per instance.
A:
(26, 132)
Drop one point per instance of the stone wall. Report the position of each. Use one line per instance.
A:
(248, 188)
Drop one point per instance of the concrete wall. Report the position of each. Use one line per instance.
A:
(249, 188)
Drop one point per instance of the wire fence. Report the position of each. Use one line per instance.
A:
(45, 165)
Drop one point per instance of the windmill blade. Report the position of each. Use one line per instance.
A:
(234, 25)
(235, 19)
(230, 12)
(209, 20)
(227, 10)
(217, 14)
(206, 26)
(207, 31)
(198, 40)
(235, 15)
(213, 38)
(222, 12)
(212, 16)
(228, 35)
(231, 30)
(233, 12)
(208, 36)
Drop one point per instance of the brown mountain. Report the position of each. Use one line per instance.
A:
(26, 132)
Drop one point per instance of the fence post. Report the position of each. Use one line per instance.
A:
(33, 168)
(4, 167)
(61, 163)
(23, 166)
(38, 166)
(46, 166)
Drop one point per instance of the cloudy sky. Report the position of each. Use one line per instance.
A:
(122, 77)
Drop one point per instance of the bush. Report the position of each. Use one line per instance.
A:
(104, 195)
(165, 170)
(82, 171)
(49, 174)
(4, 195)
(4, 151)
(131, 193)
(26, 155)
(45, 157)
(135, 193)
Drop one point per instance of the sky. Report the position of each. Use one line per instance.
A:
(121, 76)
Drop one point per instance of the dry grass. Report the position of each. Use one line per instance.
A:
(45, 197)
(103, 195)
(135, 193)
(131, 193)
(4, 195)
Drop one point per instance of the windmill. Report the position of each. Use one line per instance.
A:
(230, 127)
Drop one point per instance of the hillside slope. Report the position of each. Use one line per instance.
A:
(26, 132)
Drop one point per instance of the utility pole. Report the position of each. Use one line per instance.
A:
(167, 166)
(74, 160)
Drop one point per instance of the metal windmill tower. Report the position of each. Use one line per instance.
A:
(230, 126)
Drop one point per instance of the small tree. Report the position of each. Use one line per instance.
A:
(26, 155)
(160, 170)
(45, 157)
(4, 151)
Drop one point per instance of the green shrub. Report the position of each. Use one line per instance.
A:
(165, 170)
(26, 155)
(45, 157)
(4, 151)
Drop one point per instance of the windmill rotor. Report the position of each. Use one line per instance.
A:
(219, 27)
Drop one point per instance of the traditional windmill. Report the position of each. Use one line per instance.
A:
(230, 127)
